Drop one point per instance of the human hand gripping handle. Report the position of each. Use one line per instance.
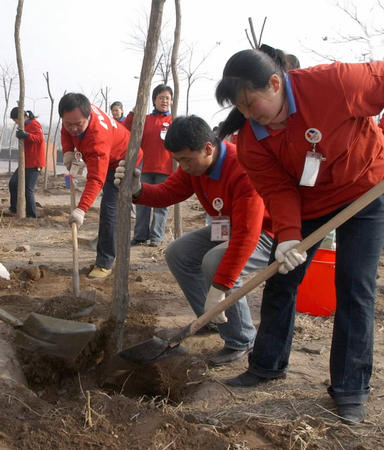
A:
(77, 216)
(136, 182)
(288, 256)
(214, 297)
(68, 157)
(21, 134)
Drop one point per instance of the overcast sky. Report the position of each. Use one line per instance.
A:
(83, 43)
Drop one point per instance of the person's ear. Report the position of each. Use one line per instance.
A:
(275, 82)
(209, 148)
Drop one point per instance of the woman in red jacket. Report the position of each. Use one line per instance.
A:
(34, 150)
(310, 147)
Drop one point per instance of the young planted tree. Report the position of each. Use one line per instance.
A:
(120, 292)
(177, 216)
(46, 76)
(104, 94)
(21, 173)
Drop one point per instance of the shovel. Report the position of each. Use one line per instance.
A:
(157, 349)
(51, 336)
(86, 295)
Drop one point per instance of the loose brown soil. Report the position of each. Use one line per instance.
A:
(179, 403)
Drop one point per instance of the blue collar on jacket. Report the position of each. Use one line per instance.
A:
(260, 131)
(216, 169)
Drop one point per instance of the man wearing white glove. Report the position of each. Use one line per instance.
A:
(136, 179)
(77, 216)
(101, 143)
(209, 262)
(68, 157)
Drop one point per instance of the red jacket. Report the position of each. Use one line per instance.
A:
(156, 158)
(103, 144)
(34, 145)
(337, 99)
(381, 123)
(240, 202)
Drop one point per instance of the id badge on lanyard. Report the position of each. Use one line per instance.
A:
(221, 225)
(313, 159)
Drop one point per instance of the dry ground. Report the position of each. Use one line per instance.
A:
(181, 404)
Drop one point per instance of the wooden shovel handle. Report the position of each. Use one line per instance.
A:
(304, 245)
(75, 245)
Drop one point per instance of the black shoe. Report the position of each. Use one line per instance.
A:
(137, 242)
(246, 379)
(210, 328)
(352, 413)
(228, 356)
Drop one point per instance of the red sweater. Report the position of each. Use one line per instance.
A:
(337, 99)
(240, 202)
(156, 158)
(34, 145)
(103, 144)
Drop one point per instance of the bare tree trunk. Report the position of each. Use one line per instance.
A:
(55, 147)
(177, 218)
(21, 173)
(120, 292)
(46, 76)
(105, 97)
(7, 92)
(10, 149)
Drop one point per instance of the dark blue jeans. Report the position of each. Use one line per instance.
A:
(144, 229)
(31, 176)
(107, 237)
(359, 244)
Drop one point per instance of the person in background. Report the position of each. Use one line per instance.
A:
(308, 161)
(102, 143)
(34, 151)
(117, 111)
(208, 263)
(157, 165)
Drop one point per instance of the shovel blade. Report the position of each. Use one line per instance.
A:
(63, 338)
(151, 351)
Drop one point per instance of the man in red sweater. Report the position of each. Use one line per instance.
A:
(102, 143)
(208, 262)
(157, 165)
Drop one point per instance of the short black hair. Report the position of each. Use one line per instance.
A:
(118, 104)
(73, 100)
(15, 113)
(188, 132)
(160, 88)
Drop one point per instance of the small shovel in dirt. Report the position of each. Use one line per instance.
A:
(156, 349)
(90, 296)
(51, 336)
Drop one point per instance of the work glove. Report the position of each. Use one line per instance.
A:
(68, 157)
(136, 182)
(77, 216)
(288, 256)
(214, 297)
(21, 134)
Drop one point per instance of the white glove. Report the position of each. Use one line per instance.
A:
(214, 297)
(68, 158)
(77, 216)
(288, 256)
(120, 174)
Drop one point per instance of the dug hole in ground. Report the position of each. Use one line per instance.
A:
(47, 402)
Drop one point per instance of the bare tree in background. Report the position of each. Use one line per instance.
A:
(46, 76)
(177, 218)
(7, 78)
(104, 94)
(362, 43)
(191, 71)
(251, 35)
(21, 169)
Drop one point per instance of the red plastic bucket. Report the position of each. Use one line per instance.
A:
(316, 294)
